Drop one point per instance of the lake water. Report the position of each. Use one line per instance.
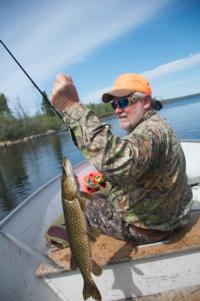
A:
(27, 166)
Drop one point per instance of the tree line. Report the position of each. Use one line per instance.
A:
(17, 127)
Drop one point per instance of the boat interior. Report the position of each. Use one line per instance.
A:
(107, 250)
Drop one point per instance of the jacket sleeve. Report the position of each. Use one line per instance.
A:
(115, 157)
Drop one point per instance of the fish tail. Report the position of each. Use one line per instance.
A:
(96, 269)
(90, 290)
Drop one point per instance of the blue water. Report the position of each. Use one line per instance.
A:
(184, 117)
(26, 167)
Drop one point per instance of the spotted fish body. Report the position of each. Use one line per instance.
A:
(77, 233)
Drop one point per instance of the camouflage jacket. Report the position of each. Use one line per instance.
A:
(146, 168)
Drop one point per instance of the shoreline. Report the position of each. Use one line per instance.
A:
(26, 139)
(8, 143)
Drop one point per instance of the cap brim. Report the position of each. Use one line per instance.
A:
(106, 97)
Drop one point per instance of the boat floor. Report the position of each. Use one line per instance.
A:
(107, 250)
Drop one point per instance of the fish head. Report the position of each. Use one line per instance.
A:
(69, 183)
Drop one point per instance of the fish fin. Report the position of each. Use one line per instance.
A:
(83, 198)
(82, 204)
(96, 269)
(91, 236)
(93, 233)
(85, 195)
(73, 265)
(90, 290)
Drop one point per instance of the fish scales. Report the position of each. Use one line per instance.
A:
(78, 241)
(77, 233)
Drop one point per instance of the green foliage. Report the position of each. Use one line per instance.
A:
(45, 106)
(101, 109)
(13, 129)
(4, 109)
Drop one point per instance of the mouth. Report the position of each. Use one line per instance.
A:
(122, 116)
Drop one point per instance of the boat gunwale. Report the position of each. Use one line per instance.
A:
(31, 196)
(190, 140)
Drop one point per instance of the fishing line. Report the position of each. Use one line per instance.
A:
(35, 85)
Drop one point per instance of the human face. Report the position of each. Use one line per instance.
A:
(131, 115)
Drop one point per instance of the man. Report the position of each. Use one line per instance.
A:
(148, 196)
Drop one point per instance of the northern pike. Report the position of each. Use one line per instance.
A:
(77, 232)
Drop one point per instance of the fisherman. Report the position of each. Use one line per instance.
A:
(148, 196)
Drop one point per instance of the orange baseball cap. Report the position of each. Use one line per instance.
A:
(126, 84)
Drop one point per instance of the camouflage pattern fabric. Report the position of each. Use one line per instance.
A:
(104, 217)
(146, 168)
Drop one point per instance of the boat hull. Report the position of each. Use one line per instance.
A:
(141, 277)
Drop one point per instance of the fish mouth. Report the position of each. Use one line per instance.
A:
(68, 171)
(70, 185)
(67, 168)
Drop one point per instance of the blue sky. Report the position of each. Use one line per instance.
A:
(95, 41)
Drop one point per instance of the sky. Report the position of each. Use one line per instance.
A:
(95, 41)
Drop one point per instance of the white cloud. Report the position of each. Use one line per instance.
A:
(173, 67)
(48, 40)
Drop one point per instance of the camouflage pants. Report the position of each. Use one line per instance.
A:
(102, 215)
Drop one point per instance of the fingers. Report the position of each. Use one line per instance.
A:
(61, 81)
(64, 79)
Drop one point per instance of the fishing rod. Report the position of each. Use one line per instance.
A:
(35, 85)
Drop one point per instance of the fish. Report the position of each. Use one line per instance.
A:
(76, 227)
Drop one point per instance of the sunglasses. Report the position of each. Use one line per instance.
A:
(123, 103)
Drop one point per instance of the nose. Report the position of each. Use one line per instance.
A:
(118, 110)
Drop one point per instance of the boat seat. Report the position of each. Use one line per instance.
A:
(107, 250)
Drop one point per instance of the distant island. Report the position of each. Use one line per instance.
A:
(168, 100)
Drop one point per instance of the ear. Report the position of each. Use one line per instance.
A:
(147, 102)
